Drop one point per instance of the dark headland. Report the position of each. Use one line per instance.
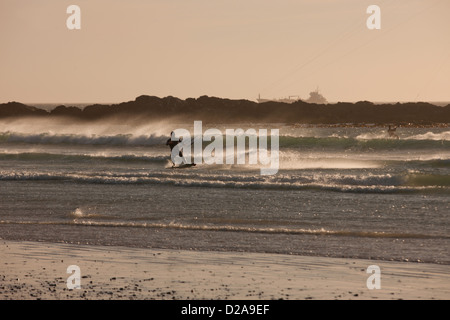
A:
(218, 110)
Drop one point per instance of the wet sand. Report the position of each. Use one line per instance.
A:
(37, 270)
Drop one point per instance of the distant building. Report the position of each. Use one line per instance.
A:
(314, 97)
(285, 100)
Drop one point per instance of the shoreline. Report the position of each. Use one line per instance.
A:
(38, 270)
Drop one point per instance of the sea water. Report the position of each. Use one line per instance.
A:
(339, 192)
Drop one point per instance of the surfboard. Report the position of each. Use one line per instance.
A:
(184, 166)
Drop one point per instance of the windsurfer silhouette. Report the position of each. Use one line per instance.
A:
(391, 132)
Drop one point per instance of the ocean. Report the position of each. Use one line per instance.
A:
(340, 191)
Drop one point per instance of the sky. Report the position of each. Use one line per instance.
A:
(235, 49)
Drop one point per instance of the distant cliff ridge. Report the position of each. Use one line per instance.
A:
(212, 109)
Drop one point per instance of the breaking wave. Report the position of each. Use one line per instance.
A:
(357, 183)
(235, 228)
(42, 156)
(362, 141)
(78, 139)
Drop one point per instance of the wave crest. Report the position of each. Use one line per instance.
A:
(234, 228)
(363, 141)
(362, 183)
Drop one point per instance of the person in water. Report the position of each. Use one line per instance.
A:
(391, 132)
(171, 143)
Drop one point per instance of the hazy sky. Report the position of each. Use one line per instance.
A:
(226, 48)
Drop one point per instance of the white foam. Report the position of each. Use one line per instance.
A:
(431, 136)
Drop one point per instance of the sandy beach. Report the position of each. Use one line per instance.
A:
(37, 270)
